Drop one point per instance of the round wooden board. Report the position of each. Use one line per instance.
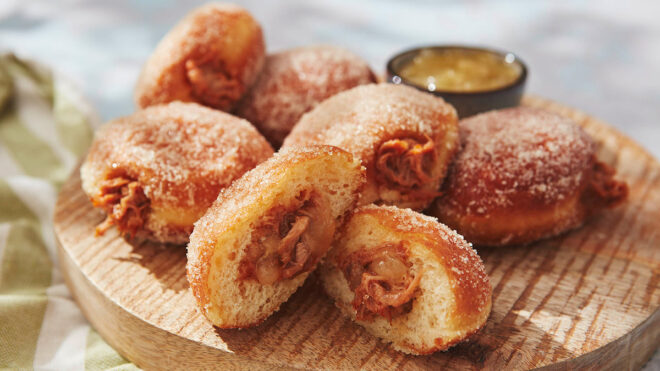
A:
(589, 298)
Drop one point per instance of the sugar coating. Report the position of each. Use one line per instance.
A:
(181, 153)
(454, 296)
(224, 40)
(250, 188)
(515, 157)
(458, 255)
(360, 117)
(228, 226)
(359, 120)
(294, 81)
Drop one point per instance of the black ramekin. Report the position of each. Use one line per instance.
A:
(466, 103)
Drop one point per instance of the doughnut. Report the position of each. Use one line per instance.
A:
(294, 81)
(407, 279)
(266, 232)
(524, 174)
(404, 137)
(211, 57)
(156, 171)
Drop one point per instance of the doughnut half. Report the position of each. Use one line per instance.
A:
(294, 81)
(156, 171)
(407, 279)
(264, 235)
(211, 56)
(405, 138)
(524, 174)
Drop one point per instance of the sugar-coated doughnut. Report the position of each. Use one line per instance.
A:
(524, 174)
(212, 57)
(156, 171)
(408, 279)
(404, 137)
(294, 81)
(266, 232)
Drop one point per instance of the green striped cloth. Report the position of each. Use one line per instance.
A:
(45, 128)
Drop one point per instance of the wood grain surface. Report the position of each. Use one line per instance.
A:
(587, 299)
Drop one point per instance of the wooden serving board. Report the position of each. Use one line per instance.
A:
(587, 299)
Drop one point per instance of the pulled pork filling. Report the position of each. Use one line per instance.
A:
(290, 242)
(212, 84)
(604, 187)
(381, 280)
(406, 163)
(125, 203)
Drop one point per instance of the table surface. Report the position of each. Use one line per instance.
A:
(579, 296)
(600, 57)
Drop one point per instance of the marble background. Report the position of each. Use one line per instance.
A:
(601, 57)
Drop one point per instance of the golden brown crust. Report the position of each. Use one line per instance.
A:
(439, 344)
(461, 311)
(362, 119)
(523, 174)
(236, 205)
(294, 81)
(212, 56)
(180, 154)
(464, 267)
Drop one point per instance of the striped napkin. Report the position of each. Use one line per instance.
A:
(45, 128)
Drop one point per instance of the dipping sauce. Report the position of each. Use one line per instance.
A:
(461, 70)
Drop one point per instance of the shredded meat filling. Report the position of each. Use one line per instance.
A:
(604, 187)
(212, 84)
(406, 163)
(381, 280)
(125, 203)
(288, 244)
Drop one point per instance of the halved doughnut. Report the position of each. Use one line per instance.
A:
(264, 235)
(156, 171)
(405, 138)
(212, 56)
(407, 279)
(294, 81)
(524, 174)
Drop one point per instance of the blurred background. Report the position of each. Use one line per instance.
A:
(600, 57)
